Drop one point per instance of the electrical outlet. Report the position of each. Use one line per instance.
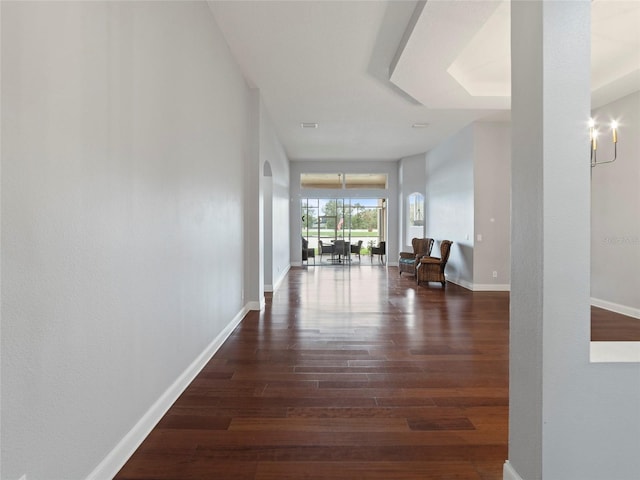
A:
(495, 274)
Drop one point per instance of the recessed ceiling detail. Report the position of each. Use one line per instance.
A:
(483, 67)
(615, 50)
(457, 54)
(341, 64)
(443, 36)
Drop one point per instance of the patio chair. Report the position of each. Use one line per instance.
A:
(324, 248)
(380, 250)
(356, 248)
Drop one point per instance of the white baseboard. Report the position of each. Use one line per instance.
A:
(281, 278)
(116, 459)
(491, 287)
(509, 473)
(268, 288)
(460, 282)
(480, 287)
(615, 307)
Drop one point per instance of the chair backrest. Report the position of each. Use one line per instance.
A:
(422, 246)
(383, 247)
(305, 243)
(430, 242)
(445, 249)
(341, 247)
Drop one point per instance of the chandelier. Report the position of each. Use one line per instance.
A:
(593, 140)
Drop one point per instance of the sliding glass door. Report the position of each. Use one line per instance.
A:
(325, 220)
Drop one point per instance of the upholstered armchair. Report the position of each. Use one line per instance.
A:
(431, 269)
(408, 261)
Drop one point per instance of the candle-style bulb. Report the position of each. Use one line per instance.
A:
(614, 130)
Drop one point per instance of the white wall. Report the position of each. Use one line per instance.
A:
(267, 242)
(252, 293)
(122, 203)
(272, 151)
(492, 200)
(467, 188)
(449, 212)
(615, 211)
(391, 194)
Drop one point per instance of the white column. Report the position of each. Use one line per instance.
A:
(550, 316)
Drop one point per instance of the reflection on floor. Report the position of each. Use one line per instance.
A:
(349, 373)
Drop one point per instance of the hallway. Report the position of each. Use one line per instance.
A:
(348, 373)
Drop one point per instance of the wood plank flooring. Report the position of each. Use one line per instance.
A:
(348, 373)
(607, 326)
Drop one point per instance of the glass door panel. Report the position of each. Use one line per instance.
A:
(351, 220)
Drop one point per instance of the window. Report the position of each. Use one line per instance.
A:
(344, 180)
(365, 180)
(415, 217)
(321, 180)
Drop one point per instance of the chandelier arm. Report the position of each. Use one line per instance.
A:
(594, 160)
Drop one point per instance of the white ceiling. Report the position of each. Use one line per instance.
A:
(366, 71)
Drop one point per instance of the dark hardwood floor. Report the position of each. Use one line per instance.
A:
(607, 326)
(349, 373)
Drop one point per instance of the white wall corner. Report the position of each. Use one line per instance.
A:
(255, 305)
(115, 460)
(509, 473)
